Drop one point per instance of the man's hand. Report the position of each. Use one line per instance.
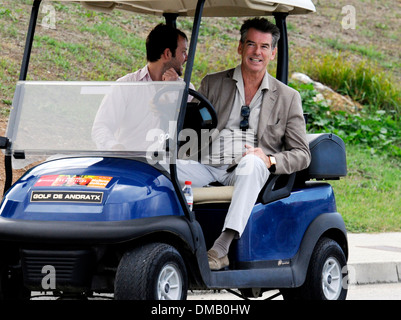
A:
(170, 75)
(257, 152)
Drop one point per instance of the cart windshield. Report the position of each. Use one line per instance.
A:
(129, 119)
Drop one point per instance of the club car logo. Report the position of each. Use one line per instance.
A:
(67, 196)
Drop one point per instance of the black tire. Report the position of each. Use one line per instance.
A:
(11, 284)
(325, 278)
(155, 271)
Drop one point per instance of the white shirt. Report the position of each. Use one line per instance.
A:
(139, 75)
(144, 75)
(127, 115)
(231, 140)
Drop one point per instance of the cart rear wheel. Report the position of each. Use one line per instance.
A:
(155, 271)
(325, 279)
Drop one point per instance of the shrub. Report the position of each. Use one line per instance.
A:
(363, 81)
(377, 130)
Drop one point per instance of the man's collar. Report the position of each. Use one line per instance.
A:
(237, 76)
(144, 73)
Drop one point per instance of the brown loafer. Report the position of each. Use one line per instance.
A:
(216, 263)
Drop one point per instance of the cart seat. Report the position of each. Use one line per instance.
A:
(221, 194)
(328, 162)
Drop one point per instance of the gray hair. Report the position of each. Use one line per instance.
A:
(263, 25)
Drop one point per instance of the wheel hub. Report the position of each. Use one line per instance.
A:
(169, 283)
(331, 279)
(166, 288)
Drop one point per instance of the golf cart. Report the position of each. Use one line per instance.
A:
(86, 219)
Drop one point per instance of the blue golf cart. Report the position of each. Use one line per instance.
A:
(85, 219)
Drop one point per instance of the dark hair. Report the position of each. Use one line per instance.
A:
(161, 37)
(263, 25)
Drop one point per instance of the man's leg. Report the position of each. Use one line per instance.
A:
(193, 171)
(200, 174)
(248, 179)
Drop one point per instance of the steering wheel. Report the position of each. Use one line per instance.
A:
(200, 114)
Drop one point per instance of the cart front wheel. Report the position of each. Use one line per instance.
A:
(11, 284)
(155, 271)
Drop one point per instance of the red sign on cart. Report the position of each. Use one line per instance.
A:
(73, 181)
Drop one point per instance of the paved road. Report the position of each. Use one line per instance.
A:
(389, 291)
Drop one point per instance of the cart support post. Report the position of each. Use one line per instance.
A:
(22, 77)
(282, 59)
(171, 19)
(29, 39)
(181, 117)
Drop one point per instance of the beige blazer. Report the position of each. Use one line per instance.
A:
(281, 129)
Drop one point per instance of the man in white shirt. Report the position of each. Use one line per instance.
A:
(166, 53)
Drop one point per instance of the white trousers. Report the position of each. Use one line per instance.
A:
(248, 179)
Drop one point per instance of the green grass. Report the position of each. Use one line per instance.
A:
(376, 130)
(370, 51)
(369, 198)
(108, 47)
(364, 81)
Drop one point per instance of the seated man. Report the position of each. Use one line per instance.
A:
(166, 51)
(261, 120)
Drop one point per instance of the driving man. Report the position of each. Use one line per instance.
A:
(128, 113)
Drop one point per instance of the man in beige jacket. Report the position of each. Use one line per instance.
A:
(261, 130)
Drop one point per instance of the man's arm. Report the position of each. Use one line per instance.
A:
(296, 154)
(110, 114)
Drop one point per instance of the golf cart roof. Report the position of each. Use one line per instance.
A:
(212, 8)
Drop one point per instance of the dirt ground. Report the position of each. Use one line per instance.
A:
(377, 27)
(3, 126)
(16, 173)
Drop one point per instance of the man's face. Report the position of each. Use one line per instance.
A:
(256, 51)
(180, 58)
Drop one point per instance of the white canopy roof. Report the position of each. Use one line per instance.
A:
(212, 8)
